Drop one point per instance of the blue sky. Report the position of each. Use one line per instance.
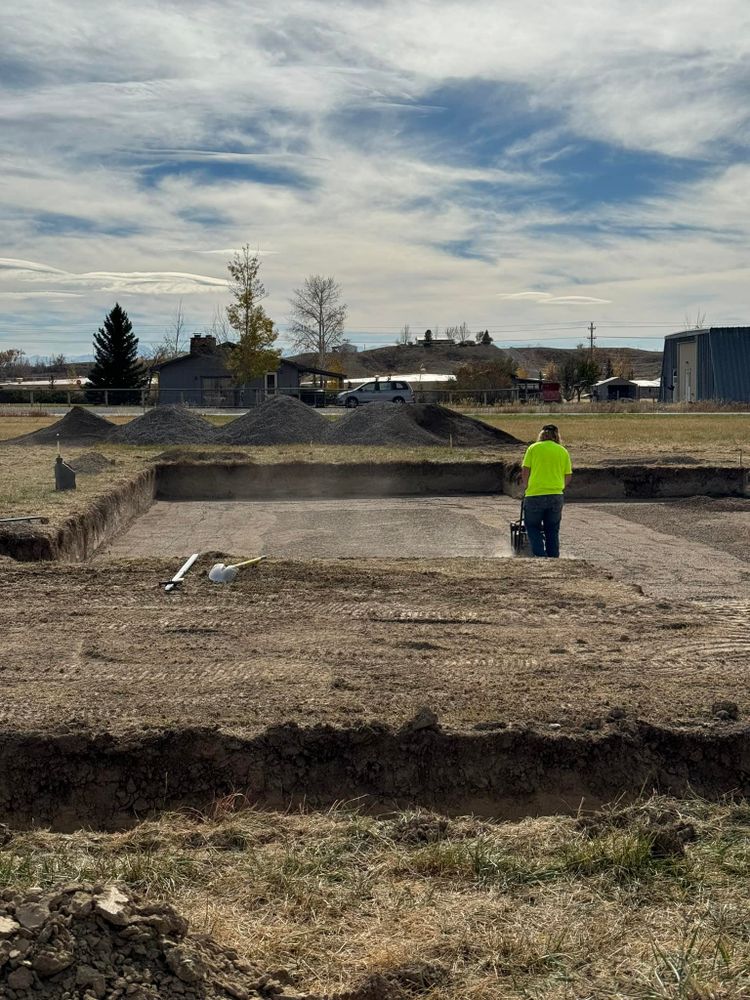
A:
(525, 168)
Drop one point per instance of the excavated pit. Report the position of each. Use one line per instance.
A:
(80, 535)
(90, 778)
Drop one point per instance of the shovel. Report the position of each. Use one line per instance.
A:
(219, 573)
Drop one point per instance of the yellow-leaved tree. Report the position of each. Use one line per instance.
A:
(253, 354)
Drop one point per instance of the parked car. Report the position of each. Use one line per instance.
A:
(379, 391)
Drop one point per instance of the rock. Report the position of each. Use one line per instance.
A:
(8, 927)
(112, 906)
(21, 978)
(91, 978)
(51, 961)
(424, 719)
(725, 710)
(32, 915)
(185, 966)
(616, 714)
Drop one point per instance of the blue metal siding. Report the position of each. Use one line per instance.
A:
(668, 365)
(180, 381)
(730, 362)
(704, 374)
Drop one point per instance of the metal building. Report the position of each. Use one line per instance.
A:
(707, 364)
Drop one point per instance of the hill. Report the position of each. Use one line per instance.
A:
(442, 359)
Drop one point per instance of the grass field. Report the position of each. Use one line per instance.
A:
(648, 902)
(718, 433)
(700, 434)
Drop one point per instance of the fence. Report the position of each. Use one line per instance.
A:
(235, 398)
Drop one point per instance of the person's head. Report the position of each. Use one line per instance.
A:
(549, 433)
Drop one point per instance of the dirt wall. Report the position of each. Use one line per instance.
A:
(246, 481)
(645, 482)
(81, 534)
(84, 779)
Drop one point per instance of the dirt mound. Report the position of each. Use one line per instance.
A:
(165, 425)
(463, 431)
(382, 424)
(95, 941)
(78, 426)
(415, 425)
(185, 454)
(102, 941)
(91, 463)
(279, 420)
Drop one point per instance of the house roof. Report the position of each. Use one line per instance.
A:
(223, 348)
(615, 379)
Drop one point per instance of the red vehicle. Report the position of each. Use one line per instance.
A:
(551, 392)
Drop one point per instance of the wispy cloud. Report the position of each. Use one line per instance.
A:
(424, 154)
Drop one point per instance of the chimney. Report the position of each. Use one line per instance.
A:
(202, 344)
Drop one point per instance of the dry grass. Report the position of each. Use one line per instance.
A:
(546, 908)
(27, 474)
(707, 436)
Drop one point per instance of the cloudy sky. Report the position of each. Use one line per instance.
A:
(521, 166)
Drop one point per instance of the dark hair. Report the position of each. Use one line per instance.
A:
(549, 433)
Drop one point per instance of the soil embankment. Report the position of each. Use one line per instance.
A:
(107, 782)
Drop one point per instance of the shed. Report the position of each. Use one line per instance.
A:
(712, 363)
(610, 389)
(202, 378)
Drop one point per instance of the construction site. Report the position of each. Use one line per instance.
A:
(285, 677)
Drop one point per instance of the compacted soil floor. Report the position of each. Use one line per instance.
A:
(694, 548)
(355, 640)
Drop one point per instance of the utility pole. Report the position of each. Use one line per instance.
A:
(592, 338)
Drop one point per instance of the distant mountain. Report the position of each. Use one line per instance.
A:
(444, 359)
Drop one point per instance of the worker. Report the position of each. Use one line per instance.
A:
(545, 472)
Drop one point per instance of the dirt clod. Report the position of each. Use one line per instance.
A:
(725, 710)
(425, 718)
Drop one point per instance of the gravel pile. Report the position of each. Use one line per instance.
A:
(414, 425)
(88, 941)
(278, 420)
(463, 431)
(78, 426)
(382, 424)
(165, 425)
(91, 463)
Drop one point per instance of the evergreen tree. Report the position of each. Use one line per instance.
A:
(116, 364)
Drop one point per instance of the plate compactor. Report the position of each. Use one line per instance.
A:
(519, 539)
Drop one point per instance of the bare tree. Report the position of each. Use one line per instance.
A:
(317, 316)
(697, 324)
(463, 333)
(219, 327)
(404, 335)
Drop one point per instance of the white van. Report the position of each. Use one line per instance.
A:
(379, 391)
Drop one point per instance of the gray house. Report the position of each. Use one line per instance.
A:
(201, 378)
(707, 364)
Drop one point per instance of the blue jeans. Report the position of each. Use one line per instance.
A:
(542, 516)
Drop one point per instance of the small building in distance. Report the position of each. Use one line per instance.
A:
(202, 378)
(712, 363)
(608, 390)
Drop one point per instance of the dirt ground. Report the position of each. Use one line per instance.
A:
(350, 641)
(690, 549)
